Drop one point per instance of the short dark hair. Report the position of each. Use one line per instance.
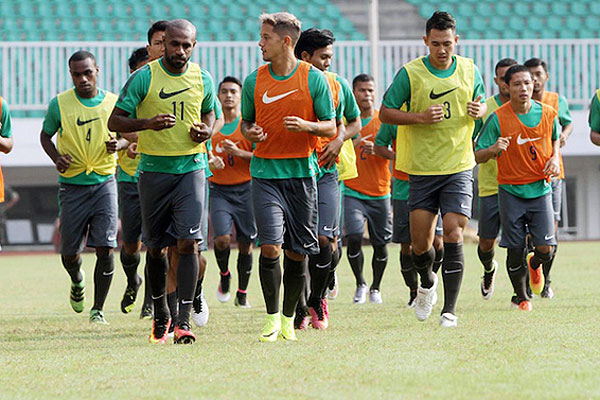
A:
(515, 69)
(361, 78)
(158, 26)
(505, 62)
(231, 79)
(137, 57)
(313, 39)
(536, 62)
(440, 20)
(80, 56)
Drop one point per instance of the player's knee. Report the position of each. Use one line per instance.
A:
(244, 248)
(544, 253)
(103, 251)
(486, 245)
(132, 248)
(354, 244)
(270, 250)
(438, 242)
(294, 256)
(514, 258)
(222, 242)
(69, 258)
(324, 241)
(157, 252)
(380, 252)
(187, 246)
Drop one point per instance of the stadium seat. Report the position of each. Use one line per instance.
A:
(554, 22)
(521, 9)
(592, 22)
(503, 9)
(579, 8)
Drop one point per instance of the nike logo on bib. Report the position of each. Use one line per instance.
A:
(219, 148)
(164, 95)
(268, 100)
(433, 95)
(521, 141)
(81, 123)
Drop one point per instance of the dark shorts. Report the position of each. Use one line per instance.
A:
(203, 245)
(88, 210)
(378, 215)
(328, 193)
(517, 214)
(489, 217)
(286, 213)
(557, 186)
(130, 213)
(232, 205)
(445, 193)
(172, 206)
(401, 222)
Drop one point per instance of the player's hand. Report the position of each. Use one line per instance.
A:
(331, 150)
(215, 163)
(256, 134)
(369, 147)
(563, 140)
(501, 144)
(200, 132)
(475, 109)
(63, 162)
(434, 114)
(112, 144)
(295, 124)
(132, 150)
(552, 167)
(161, 121)
(230, 147)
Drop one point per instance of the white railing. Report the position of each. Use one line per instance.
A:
(33, 72)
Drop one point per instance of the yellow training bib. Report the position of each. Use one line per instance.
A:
(488, 171)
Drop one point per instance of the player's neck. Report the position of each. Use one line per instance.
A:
(503, 99)
(284, 65)
(231, 114)
(521, 107)
(539, 95)
(367, 112)
(89, 95)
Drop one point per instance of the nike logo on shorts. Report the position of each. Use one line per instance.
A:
(81, 123)
(433, 95)
(327, 228)
(521, 141)
(307, 245)
(194, 230)
(111, 238)
(187, 301)
(268, 100)
(463, 205)
(548, 237)
(252, 237)
(164, 95)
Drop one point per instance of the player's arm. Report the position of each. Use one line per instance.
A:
(250, 130)
(552, 167)
(6, 140)
(490, 142)
(594, 120)
(51, 126)
(6, 144)
(316, 128)
(385, 137)
(351, 110)
(232, 148)
(477, 107)
(565, 120)
(214, 162)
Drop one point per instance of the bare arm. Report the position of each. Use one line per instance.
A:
(552, 167)
(595, 137)
(231, 148)
(219, 123)
(253, 132)
(484, 155)
(62, 162)
(385, 152)
(120, 121)
(318, 128)
(353, 128)
(392, 116)
(565, 133)
(6, 144)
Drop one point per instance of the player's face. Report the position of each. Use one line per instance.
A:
(156, 48)
(499, 79)
(321, 58)
(271, 44)
(364, 92)
(441, 46)
(84, 74)
(540, 77)
(179, 44)
(521, 86)
(230, 95)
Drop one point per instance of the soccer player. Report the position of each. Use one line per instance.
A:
(539, 72)
(594, 119)
(366, 197)
(6, 141)
(156, 40)
(489, 217)
(230, 194)
(286, 105)
(443, 92)
(523, 136)
(315, 46)
(87, 195)
(173, 100)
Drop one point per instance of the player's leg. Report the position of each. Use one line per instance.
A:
(401, 234)
(200, 311)
(541, 225)
(438, 245)
(379, 217)
(557, 185)
(221, 217)
(488, 229)
(354, 226)
(172, 299)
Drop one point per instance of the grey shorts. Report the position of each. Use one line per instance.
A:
(489, 217)
(232, 206)
(286, 213)
(517, 214)
(87, 210)
(445, 193)
(401, 222)
(130, 213)
(329, 205)
(172, 206)
(378, 215)
(203, 245)
(557, 186)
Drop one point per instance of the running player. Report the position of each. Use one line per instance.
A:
(443, 92)
(366, 198)
(230, 194)
(594, 119)
(6, 141)
(315, 46)
(173, 100)
(286, 106)
(84, 157)
(523, 135)
(156, 40)
(539, 72)
(489, 217)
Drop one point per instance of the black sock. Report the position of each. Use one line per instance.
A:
(452, 273)
(411, 278)
(222, 257)
(103, 274)
(517, 272)
(319, 266)
(130, 263)
(73, 268)
(187, 276)
(305, 293)
(547, 266)
(356, 258)
(157, 274)
(269, 272)
(378, 263)
(486, 258)
(335, 260)
(423, 265)
(244, 268)
(438, 260)
(172, 303)
(293, 283)
(540, 258)
(147, 288)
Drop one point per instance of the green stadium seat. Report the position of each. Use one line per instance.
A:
(498, 23)
(516, 23)
(29, 24)
(509, 34)
(158, 10)
(521, 8)
(465, 10)
(579, 8)
(554, 22)
(585, 33)
(492, 34)
(426, 10)
(595, 8)
(573, 22)
(484, 9)
(62, 9)
(221, 36)
(479, 24)
(549, 34)
(503, 9)
(81, 9)
(123, 25)
(591, 22)
(253, 10)
(559, 9)
(535, 22)
(529, 33)
(540, 9)
(43, 9)
(7, 8)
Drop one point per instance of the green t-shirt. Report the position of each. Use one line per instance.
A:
(351, 110)
(52, 125)
(6, 129)
(564, 114)
(323, 106)
(386, 136)
(134, 92)
(490, 134)
(399, 91)
(594, 117)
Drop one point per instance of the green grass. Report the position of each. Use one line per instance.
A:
(369, 351)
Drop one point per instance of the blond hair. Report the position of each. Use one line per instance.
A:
(283, 24)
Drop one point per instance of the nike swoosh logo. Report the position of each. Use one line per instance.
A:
(156, 298)
(108, 273)
(271, 334)
(433, 95)
(218, 148)
(307, 245)
(326, 228)
(548, 237)
(463, 205)
(252, 237)
(268, 100)
(323, 266)
(521, 141)
(164, 95)
(194, 230)
(111, 238)
(187, 301)
(81, 123)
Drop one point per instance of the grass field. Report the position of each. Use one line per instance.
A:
(369, 351)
